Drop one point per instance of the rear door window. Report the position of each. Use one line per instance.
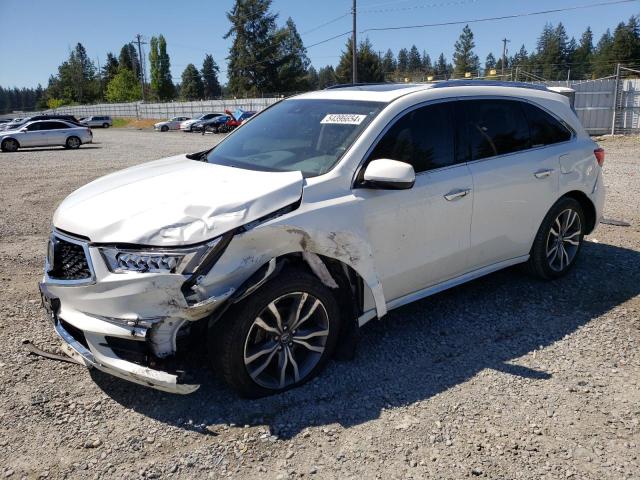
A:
(491, 127)
(422, 138)
(545, 129)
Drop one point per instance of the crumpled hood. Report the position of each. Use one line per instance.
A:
(174, 201)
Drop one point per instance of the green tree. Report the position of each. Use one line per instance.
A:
(110, 68)
(583, 56)
(210, 80)
(403, 60)
(441, 68)
(160, 66)
(191, 87)
(326, 77)
(253, 56)
(124, 87)
(368, 64)
(129, 59)
(489, 63)
(427, 67)
(76, 81)
(626, 42)
(415, 62)
(388, 62)
(312, 78)
(603, 60)
(464, 59)
(294, 62)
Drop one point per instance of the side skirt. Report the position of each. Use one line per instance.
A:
(420, 294)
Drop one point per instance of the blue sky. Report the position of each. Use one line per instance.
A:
(37, 34)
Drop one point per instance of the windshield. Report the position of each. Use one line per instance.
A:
(307, 135)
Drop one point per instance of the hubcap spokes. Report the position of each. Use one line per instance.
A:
(287, 340)
(564, 240)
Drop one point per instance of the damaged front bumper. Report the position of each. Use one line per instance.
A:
(94, 349)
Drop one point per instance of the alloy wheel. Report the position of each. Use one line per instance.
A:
(563, 240)
(286, 340)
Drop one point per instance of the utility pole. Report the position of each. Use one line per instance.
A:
(615, 100)
(139, 41)
(504, 54)
(354, 49)
(100, 78)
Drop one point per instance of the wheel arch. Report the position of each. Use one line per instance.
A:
(10, 138)
(588, 208)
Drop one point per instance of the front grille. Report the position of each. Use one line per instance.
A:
(69, 261)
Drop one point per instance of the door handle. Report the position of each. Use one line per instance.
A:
(455, 194)
(543, 173)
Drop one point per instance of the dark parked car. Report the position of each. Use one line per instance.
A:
(23, 121)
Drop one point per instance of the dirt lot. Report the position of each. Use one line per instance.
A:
(505, 377)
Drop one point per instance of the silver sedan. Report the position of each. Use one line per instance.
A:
(45, 133)
(171, 124)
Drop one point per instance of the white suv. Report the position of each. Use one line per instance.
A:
(323, 212)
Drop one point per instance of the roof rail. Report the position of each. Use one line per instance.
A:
(345, 85)
(487, 83)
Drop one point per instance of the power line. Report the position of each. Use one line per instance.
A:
(503, 17)
(415, 7)
(326, 23)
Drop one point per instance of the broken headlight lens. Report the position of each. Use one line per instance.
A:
(184, 261)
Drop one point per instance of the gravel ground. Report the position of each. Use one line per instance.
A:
(505, 377)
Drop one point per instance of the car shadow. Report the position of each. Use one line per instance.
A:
(57, 149)
(416, 351)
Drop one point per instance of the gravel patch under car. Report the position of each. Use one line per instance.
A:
(505, 377)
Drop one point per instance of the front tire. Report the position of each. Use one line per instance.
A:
(10, 145)
(558, 241)
(278, 338)
(73, 143)
(164, 128)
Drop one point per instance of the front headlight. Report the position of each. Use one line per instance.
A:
(184, 261)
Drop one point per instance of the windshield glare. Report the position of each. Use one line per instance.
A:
(309, 135)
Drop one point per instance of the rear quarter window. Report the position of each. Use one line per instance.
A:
(545, 129)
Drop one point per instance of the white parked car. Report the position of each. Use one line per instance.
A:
(44, 133)
(323, 212)
(171, 124)
(103, 121)
(187, 125)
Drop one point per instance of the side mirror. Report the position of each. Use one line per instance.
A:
(385, 174)
(23, 129)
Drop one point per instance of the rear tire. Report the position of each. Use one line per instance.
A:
(10, 145)
(105, 125)
(73, 143)
(257, 355)
(558, 241)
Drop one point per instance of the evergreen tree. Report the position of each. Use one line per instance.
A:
(465, 60)
(253, 56)
(603, 63)
(166, 90)
(210, 80)
(441, 69)
(312, 78)
(154, 66)
(388, 62)
(626, 42)
(415, 62)
(403, 60)
(326, 77)
(293, 59)
(110, 68)
(129, 59)
(582, 57)
(489, 63)
(427, 67)
(368, 62)
(191, 87)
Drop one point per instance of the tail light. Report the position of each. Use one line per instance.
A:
(89, 131)
(599, 153)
